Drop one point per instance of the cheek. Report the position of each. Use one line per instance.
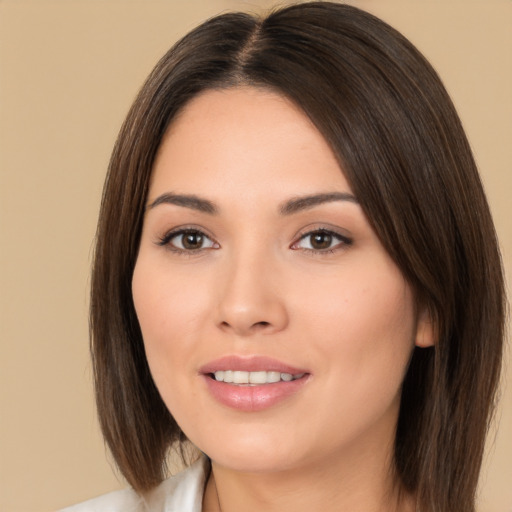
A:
(168, 303)
(364, 322)
(168, 315)
(360, 338)
(170, 311)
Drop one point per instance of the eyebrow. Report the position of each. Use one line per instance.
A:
(290, 207)
(298, 204)
(187, 201)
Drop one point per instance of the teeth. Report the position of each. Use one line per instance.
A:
(263, 377)
(240, 377)
(273, 376)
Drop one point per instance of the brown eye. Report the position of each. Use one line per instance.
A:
(320, 240)
(188, 240)
(192, 241)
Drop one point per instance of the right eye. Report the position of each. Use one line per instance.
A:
(188, 240)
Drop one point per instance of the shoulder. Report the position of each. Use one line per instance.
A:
(181, 493)
(125, 500)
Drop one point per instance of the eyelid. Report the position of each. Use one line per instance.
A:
(165, 239)
(344, 239)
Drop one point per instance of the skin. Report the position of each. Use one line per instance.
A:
(256, 287)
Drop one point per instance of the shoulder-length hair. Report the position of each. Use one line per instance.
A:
(389, 120)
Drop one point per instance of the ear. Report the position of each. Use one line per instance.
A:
(425, 329)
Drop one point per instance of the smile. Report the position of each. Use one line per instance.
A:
(254, 378)
(253, 383)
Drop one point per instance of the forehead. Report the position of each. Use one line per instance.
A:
(240, 140)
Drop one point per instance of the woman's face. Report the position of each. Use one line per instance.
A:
(257, 265)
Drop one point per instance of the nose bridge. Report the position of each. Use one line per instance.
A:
(250, 300)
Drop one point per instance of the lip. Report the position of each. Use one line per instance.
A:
(252, 398)
(250, 364)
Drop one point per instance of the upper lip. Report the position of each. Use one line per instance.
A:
(249, 364)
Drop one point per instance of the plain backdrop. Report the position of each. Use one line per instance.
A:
(69, 70)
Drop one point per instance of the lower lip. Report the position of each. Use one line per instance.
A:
(255, 397)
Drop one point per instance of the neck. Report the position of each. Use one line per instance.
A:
(328, 487)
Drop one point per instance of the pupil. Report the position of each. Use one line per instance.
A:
(192, 240)
(321, 240)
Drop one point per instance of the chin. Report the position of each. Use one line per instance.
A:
(249, 455)
(252, 462)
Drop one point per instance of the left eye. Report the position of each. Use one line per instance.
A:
(321, 241)
(189, 240)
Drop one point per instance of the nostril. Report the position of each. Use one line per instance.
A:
(261, 324)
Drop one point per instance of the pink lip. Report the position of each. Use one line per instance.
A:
(254, 397)
(249, 364)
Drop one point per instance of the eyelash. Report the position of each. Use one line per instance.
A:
(165, 241)
(343, 241)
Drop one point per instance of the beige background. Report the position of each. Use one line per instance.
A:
(68, 72)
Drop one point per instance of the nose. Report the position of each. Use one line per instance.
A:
(251, 297)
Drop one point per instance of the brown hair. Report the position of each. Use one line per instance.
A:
(400, 143)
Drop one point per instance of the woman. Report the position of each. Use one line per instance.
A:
(296, 270)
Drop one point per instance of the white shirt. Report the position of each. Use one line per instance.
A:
(180, 493)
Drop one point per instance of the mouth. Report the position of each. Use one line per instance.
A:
(252, 383)
(258, 378)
